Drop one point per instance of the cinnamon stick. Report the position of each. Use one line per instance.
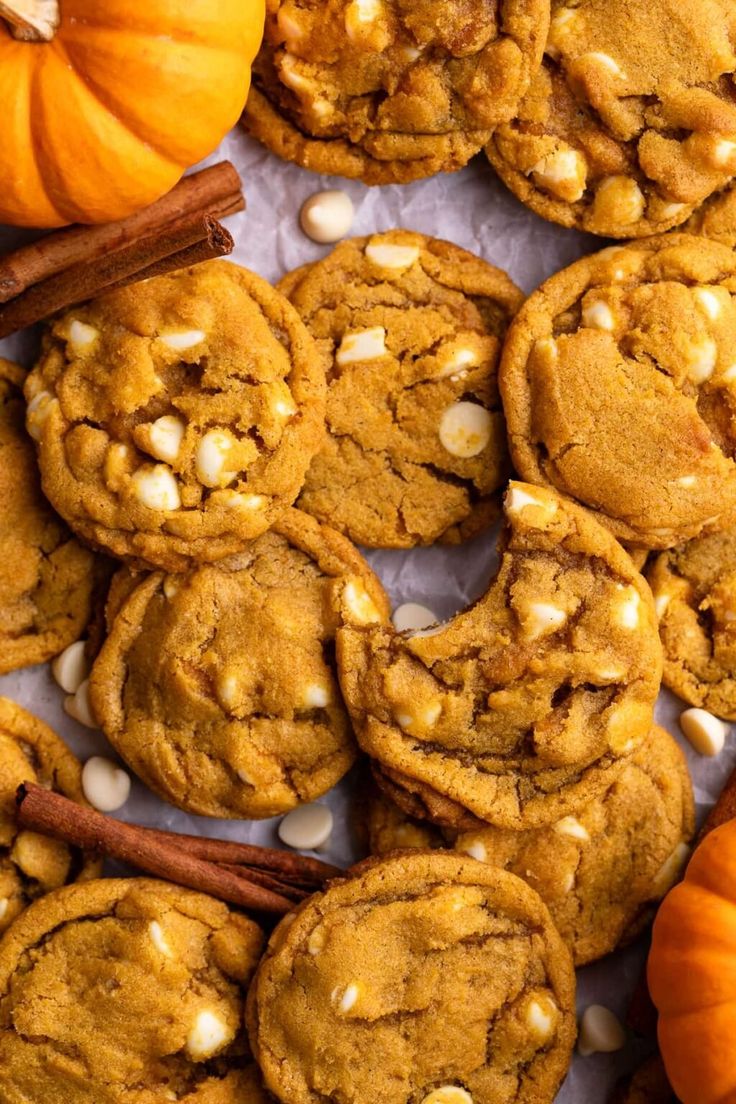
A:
(287, 863)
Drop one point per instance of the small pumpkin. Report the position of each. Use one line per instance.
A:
(692, 974)
(105, 104)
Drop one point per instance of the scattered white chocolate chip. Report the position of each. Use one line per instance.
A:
(671, 869)
(454, 360)
(448, 1094)
(292, 78)
(518, 499)
(564, 173)
(239, 500)
(282, 403)
(543, 618)
(171, 586)
(702, 358)
(359, 15)
(37, 412)
(78, 706)
(81, 335)
(317, 940)
(316, 696)
(70, 668)
(388, 255)
(156, 488)
(722, 152)
(359, 603)
(364, 345)
(105, 785)
(182, 339)
(227, 686)
(4, 905)
(208, 1034)
(327, 217)
(546, 347)
(605, 61)
(619, 199)
(346, 998)
(560, 25)
(709, 300)
(570, 826)
(687, 481)
(600, 1031)
(465, 429)
(541, 1016)
(627, 607)
(211, 457)
(671, 210)
(661, 602)
(598, 315)
(422, 718)
(410, 616)
(477, 850)
(706, 733)
(158, 939)
(164, 438)
(729, 374)
(307, 827)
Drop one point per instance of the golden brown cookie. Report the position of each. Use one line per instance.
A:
(410, 331)
(388, 91)
(716, 218)
(176, 418)
(424, 977)
(600, 871)
(30, 864)
(629, 122)
(127, 991)
(618, 380)
(218, 687)
(526, 705)
(46, 577)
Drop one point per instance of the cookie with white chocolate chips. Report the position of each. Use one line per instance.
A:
(32, 865)
(527, 704)
(389, 91)
(218, 686)
(410, 331)
(128, 991)
(618, 381)
(424, 977)
(176, 418)
(630, 122)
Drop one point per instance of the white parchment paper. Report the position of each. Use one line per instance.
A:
(474, 210)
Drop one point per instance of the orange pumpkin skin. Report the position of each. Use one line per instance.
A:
(106, 117)
(692, 974)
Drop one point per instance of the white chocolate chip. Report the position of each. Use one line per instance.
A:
(207, 1035)
(560, 25)
(395, 258)
(661, 603)
(627, 608)
(4, 905)
(722, 152)
(316, 696)
(359, 603)
(79, 707)
(600, 1031)
(346, 998)
(547, 348)
(291, 30)
(564, 173)
(465, 429)
(327, 217)
(156, 488)
(282, 402)
(477, 850)
(105, 785)
(307, 827)
(211, 457)
(292, 78)
(702, 358)
(706, 733)
(671, 210)
(37, 412)
(448, 1094)
(518, 499)
(227, 686)
(239, 500)
(182, 339)
(423, 717)
(411, 616)
(568, 883)
(158, 939)
(359, 15)
(453, 361)
(709, 300)
(605, 61)
(598, 315)
(619, 199)
(164, 438)
(687, 481)
(70, 668)
(81, 336)
(171, 586)
(541, 1017)
(543, 618)
(570, 826)
(317, 940)
(364, 345)
(670, 869)
(729, 374)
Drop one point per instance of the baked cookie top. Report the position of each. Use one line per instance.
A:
(600, 871)
(31, 864)
(470, 1000)
(694, 590)
(218, 687)
(716, 218)
(410, 331)
(628, 124)
(390, 91)
(618, 384)
(127, 991)
(46, 577)
(520, 708)
(176, 418)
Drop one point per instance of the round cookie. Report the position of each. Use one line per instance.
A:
(618, 382)
(31, 864)
(526, 705)
(176, 418)
(46, 578)
(218, 687)
(470, 999)
(694, 589)
(601, 871)
(628, 124)
(388, 92)
(410, 331)
(127, 991)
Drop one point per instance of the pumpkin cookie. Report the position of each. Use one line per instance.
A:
(46, 578)
(601, 871)
(410, 331)
(386, 91)
(218, 687)
(716, 218)
(629, 123)
(176, 418)
(32, 864)
(618, 381)
(127, 991)
(470, 1000)
(526, 705)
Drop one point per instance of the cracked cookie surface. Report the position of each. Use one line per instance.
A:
(618, 382)
(410, 330)
(629, 123)
(218, 686)
(472, 992)
(31, 864)
(176, 418)
(600, 871)
(46, 577)
(716, 218)
(389, 91)
(527, 704)
(127, 991)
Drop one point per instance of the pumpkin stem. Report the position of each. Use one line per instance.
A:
(31, 20)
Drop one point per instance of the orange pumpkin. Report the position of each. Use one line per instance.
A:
(107, 102)
(692, 974)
